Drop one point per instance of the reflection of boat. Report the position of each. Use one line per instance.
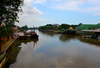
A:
(25, 41)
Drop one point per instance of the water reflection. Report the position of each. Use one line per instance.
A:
(66, 37)
(90, 41)
(13, 55)
(47, 33)
(33, 41)
(51, 52)
(29, 40)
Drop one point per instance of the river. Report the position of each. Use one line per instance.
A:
(56, 51)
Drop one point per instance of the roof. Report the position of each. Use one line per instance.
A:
(87, 26)
(70, 27)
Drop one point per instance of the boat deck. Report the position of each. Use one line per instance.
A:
(22, 36)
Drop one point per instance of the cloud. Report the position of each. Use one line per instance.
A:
(30, 20)
(40, 1)
(78, 5)
(30, 15)
(96, 14)
(72, 5)
(27, 1)
(29, 9)
(68, 5)
(56, 0)
(92, 9)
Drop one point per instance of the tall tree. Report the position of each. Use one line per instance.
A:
(9, 11)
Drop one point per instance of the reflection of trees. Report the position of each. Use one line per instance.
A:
(13, 56)
(66, 37)
(47, 33)
(18, 43)
(90, 41)
(16, 50)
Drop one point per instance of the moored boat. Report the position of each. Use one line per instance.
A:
(33, 34)
(28, 35)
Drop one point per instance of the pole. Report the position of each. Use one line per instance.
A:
(34, 28)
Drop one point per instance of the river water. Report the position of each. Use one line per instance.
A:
(56, 51)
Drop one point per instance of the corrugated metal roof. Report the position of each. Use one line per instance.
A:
(87, 26)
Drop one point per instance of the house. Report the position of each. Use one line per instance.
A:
(89, 29)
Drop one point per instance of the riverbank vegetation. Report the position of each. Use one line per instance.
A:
(9, 10)
(56, 27)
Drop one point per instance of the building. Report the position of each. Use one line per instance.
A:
(88, 27)
(89, 30)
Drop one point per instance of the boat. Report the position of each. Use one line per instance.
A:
(28, 35)
(33, 34)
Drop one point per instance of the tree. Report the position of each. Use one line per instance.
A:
(80, 23)
(9, 11)
(73, 26)
(64, 26)
(24, 27)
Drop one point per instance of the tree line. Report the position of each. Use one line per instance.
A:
(62, 26)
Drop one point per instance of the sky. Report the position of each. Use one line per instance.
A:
(41, 12)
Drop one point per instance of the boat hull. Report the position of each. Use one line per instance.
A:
(34, 36)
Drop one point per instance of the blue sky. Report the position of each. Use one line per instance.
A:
(41, 12)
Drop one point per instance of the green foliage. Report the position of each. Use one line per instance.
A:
(64, 26)
(5, 32)
(24, 27)
(9, 10)
(74, 26)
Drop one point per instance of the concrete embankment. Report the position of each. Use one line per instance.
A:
(7, 51)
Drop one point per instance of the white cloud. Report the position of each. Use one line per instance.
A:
(68, 5)
(29, 9)
(40, 1)
(97, 14)
(27, 1)
(56, 0)
(30, 20)
(78, 5)
(29, 16)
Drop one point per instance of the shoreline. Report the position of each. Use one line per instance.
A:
(5, 51)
